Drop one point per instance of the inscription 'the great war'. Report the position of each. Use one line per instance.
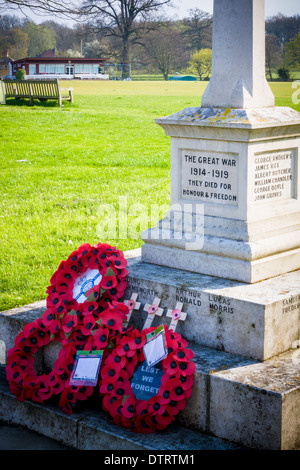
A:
(209, 177)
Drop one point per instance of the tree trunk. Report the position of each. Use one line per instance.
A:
(125, 58)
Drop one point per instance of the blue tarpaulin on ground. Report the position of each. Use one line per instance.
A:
(188, 78)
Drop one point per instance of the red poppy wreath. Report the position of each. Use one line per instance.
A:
(81, 314)
(119, 400)
(81, 281)
(86, 333)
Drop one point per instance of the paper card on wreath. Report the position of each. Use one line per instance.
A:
(155, 350)
(84, 283)
(86, 368)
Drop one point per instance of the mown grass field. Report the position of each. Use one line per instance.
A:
(60, 165)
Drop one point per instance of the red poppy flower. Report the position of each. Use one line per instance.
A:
(69, 322)
(88, 324)
(107, 385)
(183, 355)
(124, 347)
(177, 393)
(14, 373)
(118, 308)
(44, 391)
(145, 425)
(128, 407)
(55, 326)
(186, 381)
(131, 365)
(100, 337)
(113, 322)
(164, 393)
(81, 392)
(136, 340)
(94, 291)
(110, 370)
(55, 382)
(152, 309)
(155, 406)
(115, 358)
(174, 407)
(173, 335)
(30, 329)
(170, 365)
(118, 260)
(116, 407)
(66, 401)
(108, 282)
(87, 308)
(48, 317)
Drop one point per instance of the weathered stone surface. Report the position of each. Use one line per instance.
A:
(263, 397)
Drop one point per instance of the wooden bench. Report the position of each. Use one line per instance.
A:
(42, 90)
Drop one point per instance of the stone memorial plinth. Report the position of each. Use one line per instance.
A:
(235, 161)
(240, 167)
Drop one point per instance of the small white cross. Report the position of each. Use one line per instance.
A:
(132, 304)
(152, 310)
(176, 315)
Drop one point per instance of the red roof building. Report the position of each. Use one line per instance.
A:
(60, 67)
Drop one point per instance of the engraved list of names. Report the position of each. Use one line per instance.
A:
(274, 176)
(209, 177)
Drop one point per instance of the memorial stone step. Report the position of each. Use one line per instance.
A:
(254, 404)
(92, 429)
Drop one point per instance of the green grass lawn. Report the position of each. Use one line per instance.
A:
(59, 165)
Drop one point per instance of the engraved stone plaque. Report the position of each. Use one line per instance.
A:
(274, 176)
(209, 177)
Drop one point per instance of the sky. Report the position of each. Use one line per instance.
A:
(182, 7)
(272, 7)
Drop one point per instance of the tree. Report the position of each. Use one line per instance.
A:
(197, 29)
(20, 75)
(12, 37)
(285, 28)
(292, 52)
(57, 7)
(272, 53)
(40, 39)
(96, 48)
(200, 63)
(164, 49)
(66, 37)
(18, 43)
(127, 20)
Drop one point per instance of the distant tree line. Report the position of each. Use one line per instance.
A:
(139, 33)
(282, 45)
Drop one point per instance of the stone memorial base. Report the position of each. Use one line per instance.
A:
(228, 268)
